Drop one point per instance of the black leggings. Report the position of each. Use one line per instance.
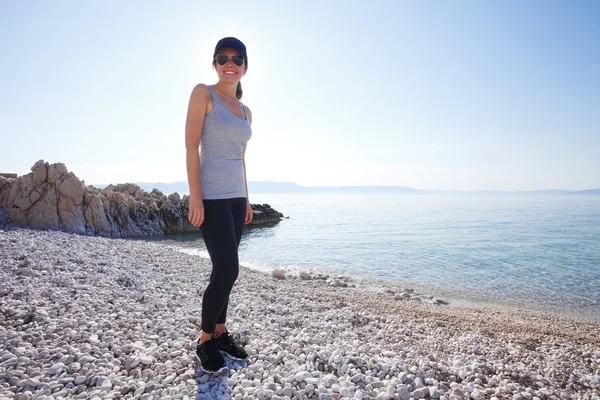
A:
(222, 231)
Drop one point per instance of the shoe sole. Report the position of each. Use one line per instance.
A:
(217, 372)
(231, 357)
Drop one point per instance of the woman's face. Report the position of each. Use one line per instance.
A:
(230, 72)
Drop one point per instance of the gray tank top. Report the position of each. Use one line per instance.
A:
(221, 147)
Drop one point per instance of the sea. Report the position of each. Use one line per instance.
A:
(539, 252)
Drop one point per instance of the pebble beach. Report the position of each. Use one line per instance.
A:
(97, 318)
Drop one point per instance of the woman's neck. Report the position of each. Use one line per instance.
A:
(228, 90)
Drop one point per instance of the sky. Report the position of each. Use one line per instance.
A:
(436, 95)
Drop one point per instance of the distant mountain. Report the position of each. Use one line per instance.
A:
(275, 187)
(551, 191)
(590, 191)
(291, 187)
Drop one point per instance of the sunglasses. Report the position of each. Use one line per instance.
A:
(223, 58)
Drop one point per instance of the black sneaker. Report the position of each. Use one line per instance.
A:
(226, 344)
(211, 360)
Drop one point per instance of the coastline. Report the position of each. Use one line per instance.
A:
(117, 318)
(426, 293)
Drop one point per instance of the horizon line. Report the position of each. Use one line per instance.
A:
(372, 186)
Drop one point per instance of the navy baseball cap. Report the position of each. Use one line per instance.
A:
(234, 44)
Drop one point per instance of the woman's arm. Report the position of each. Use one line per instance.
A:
(197, 106)
(248, 207)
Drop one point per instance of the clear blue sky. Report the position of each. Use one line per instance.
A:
(465, 95)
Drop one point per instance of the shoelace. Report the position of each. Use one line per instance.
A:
(226, 342)
(226, 338)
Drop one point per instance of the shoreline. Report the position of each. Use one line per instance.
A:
(116, 318)
(380, 284)
(463, 298)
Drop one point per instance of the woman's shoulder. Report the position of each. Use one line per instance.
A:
(201, 89)
(202, 97)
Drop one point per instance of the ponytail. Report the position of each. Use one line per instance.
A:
(239, 91)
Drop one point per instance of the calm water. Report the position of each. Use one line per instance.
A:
(533, 251)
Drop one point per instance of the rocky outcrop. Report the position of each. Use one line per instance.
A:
(51, 197)
(263, 214)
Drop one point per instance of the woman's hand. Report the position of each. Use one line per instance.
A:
(248, 213)
(196, 211)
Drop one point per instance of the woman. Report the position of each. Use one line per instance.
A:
(219, 124)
